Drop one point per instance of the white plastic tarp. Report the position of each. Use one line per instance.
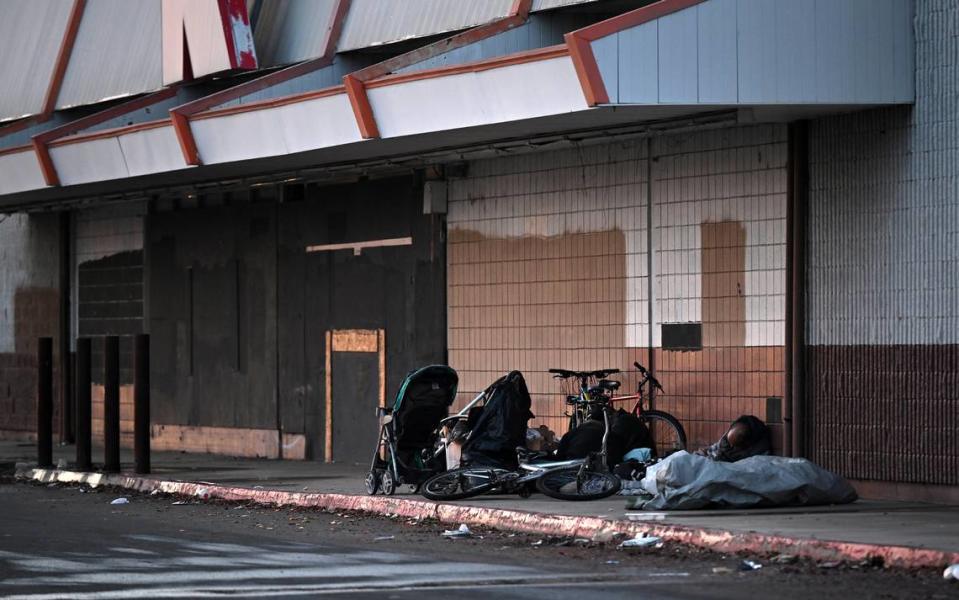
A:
(686, 481)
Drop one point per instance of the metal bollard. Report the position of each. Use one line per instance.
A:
(84, 413)
(141, 404)
(111, 404)
(45, 402)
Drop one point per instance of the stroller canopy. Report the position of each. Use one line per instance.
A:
(501, 426)
(422, 402)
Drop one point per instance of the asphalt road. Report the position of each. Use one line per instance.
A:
(59, 542)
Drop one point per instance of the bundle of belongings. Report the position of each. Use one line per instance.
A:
(737, 472)
(626, 432)
(499, 426)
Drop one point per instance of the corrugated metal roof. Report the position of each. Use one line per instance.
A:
(117, 52)
(30, 36)
(289, 31)
(377, 22)
(539, 5)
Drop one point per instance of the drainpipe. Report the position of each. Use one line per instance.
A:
(649, 267)
(794, 439)
(66, 387)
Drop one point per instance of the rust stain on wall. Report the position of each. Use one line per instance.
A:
(723, 283)
(35, 314)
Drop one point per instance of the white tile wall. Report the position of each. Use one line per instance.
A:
(730, 174)
(883, 236)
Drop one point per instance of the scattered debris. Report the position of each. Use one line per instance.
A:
(641, 541)
(461, 532)
(181, 503)
(202, 493)
(951, 573)
(784, 559)
(155, 493)
(384, 538)
(750, 565)
(832, 564)
(722, 570)
(612, 562)
(605, 535)
(537, 543)
(874, 562)
(121, 501)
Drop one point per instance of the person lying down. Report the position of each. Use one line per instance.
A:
(747, 436)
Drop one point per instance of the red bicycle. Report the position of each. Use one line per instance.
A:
(668, 433)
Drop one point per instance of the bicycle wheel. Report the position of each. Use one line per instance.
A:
(577, 483)
(668, 434)
(461, 483)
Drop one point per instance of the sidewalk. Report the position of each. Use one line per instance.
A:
(903, 534)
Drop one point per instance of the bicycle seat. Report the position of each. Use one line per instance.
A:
(608, 384)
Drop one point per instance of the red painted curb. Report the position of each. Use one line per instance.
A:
(517, 520)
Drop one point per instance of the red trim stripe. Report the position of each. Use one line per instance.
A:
(360, 102)
(109, 133)
(587, 70)
(474, 67)
(581, 50)
(47, 167)
(105, 115)
(184, 135)
(63, 57)
(16, 149)
(270, 103)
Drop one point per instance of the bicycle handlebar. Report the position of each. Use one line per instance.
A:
(649, 377)
(600, 374)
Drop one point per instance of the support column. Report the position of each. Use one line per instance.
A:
(141, 404)
(111, 404)
(45, 402)
(84, 410)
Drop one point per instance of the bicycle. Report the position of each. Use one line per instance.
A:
(575, 479)
(587, 389)
(666, 430)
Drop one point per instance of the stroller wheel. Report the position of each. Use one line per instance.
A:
(387, 483)
(372, 483)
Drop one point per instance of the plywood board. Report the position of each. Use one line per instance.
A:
(355, 340)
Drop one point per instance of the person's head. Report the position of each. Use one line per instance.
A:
(739, 435)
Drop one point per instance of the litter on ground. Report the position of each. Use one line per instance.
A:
(120, 501)
(722, 570)
(951, 573)
(641, 541)
(461, 532)
(750, 565)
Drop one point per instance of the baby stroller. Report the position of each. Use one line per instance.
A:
(409, 450)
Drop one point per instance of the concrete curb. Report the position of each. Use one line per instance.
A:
(518, 520)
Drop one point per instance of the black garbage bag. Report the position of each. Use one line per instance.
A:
(501, 426)
(626, 432)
